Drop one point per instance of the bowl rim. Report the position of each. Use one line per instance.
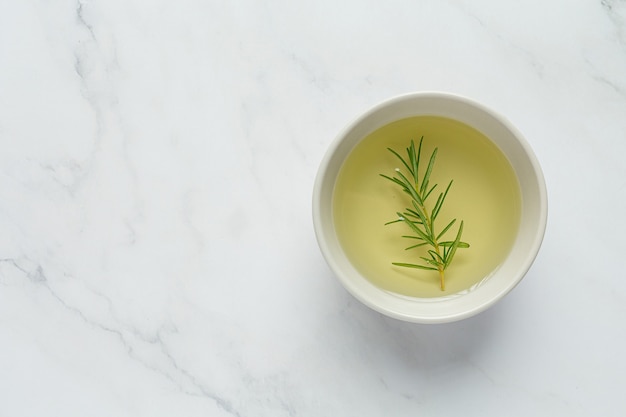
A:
(357, 290)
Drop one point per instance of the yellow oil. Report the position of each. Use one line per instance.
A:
(485, 195)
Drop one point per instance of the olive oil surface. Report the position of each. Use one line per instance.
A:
(485, 195)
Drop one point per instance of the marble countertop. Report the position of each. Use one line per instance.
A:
(157, 253)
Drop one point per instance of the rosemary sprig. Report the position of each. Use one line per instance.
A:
(419, 218)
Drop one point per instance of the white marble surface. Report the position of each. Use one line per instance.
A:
(157, 255)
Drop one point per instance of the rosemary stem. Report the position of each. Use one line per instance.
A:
(441, 280)
(431, 225)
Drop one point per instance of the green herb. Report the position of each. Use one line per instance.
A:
(420, 219)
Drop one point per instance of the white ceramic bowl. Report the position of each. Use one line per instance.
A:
(533, 212)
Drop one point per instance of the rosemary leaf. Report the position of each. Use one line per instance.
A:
(430, 261)
(401, 160)
(454, 246)
(419, 232)
(445, 229)
(435, 256)
(429, 191)
(414, 266)
(440, 201)
(416, 246)
(429, 170)
(417, 158)
(464, 245)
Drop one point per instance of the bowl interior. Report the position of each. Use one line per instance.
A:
(532, 221)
